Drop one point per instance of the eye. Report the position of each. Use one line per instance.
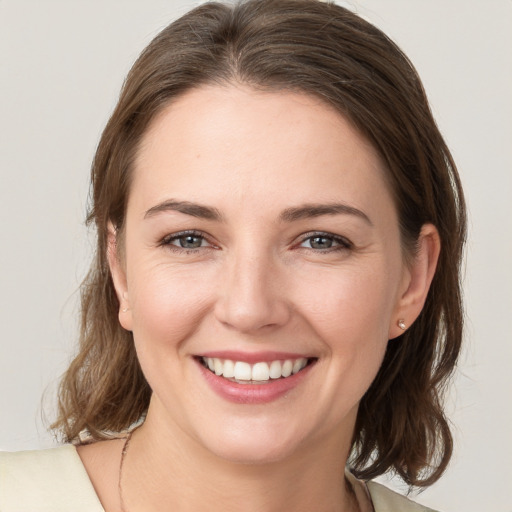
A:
(189, 241)
(325, 242)
(186, 240)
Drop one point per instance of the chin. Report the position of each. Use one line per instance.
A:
(254, 444)
(251, 453)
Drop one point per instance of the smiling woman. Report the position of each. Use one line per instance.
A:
(275, 294)
(268, 280)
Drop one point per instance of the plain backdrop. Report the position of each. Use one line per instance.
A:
(61, 67)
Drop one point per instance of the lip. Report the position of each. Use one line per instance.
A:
(251, 393)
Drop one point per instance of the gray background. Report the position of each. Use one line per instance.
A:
(61, 66)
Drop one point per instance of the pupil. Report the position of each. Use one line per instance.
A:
(190, 241)
(320, 242)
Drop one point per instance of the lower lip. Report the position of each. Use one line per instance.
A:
(253, 393)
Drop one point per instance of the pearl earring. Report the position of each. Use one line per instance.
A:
(401, 324)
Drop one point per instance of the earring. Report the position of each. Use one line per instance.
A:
(401, 324)
(124, 310)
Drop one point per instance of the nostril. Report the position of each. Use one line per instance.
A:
(251, 315)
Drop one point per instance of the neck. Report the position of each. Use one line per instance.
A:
(166, 470)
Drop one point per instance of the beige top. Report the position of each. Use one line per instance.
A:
(55, 480)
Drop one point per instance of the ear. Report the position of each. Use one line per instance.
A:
(417, 279)
(118, 273)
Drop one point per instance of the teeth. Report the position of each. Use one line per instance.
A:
(275, 369)
(229, 369)
(287, 368)
(240, 370)
(260, 371)
(218, 367)
(298, 365)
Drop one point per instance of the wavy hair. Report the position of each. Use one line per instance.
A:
(329, 52)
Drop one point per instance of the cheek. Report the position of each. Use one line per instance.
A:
(167, 304)
(350, 312)
(351, 305)
(347, 311)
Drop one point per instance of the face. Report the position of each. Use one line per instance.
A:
(261, 240)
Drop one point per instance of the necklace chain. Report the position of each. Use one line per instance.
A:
(123, 455)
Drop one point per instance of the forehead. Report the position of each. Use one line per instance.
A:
(232, 142)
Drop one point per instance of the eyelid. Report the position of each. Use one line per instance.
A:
(167, 239)
(343, 242)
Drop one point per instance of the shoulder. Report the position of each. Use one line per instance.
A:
(386, 500)
(46, 480)
(381, 497)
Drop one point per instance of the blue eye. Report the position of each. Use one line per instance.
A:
(190, 241)
(186, 241)
(325, 242)
(320, 242)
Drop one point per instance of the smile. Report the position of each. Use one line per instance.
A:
(242, 372)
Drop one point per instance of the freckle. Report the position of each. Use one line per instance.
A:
(198, 156)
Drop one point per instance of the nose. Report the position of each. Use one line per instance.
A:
(252, 295)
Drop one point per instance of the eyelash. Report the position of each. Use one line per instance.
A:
(167, 241)
(342, 243)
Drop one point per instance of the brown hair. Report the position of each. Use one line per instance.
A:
(326, 51)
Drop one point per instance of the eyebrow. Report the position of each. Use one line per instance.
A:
(317, 210)
(186, 207)
(288, 215)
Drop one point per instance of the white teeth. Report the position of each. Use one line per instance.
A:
(275, 369)
(218, 367)
(242, 371)
(229, 369)
(298, 365)
(260, 371)
(287, 368)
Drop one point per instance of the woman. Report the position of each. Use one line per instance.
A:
(276, 287)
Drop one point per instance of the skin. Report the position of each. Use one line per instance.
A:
(256, 283)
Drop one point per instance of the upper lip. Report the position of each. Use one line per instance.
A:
(253, 357)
